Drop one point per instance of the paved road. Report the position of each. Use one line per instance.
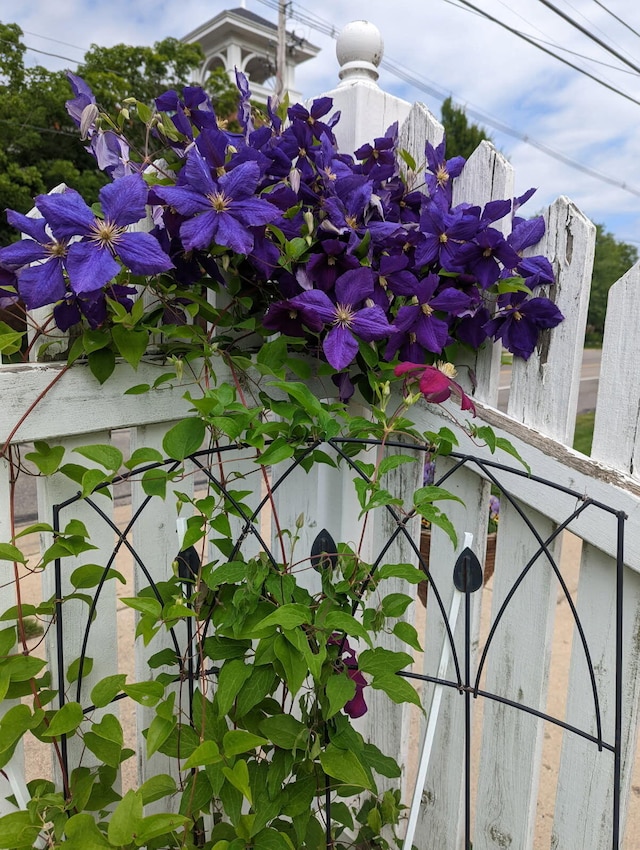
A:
(26, 501)
(588, 382)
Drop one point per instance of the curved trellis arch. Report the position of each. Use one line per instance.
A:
(461, 682)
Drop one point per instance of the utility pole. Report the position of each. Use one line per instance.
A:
(281, 52)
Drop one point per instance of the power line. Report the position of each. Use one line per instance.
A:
(590, 35)
(45, 52)
(620, 21)
(545, 50)
(56, 40)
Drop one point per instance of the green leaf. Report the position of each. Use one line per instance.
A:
(380, 661)
(157, 787)
(11, 553)
(125, 820)
(433, 494)
(137, 389)
(46, 458)
(285, 731)
(393, 462)
(407, 633)
(17, 831)
(92, 479)
(83, 833)
(342, 622)
(509, 448)
(131, 343)
(205, 753)
(404, 571)
(159, 731)
(65, 720)
(144, 604)
(238, 741)
(109, 752)
(384, 765)
(340, 689)
(145, 693)
(23, 667)
(345, 766)
(231, 573)
(238, 776)
(95, 340)
(232, 676)
(293, 664)
(106, 689)
(185, 438)
(154, 482)
(8, 639)
(395, 604)
(73, 671)
(279, 450)
(288, 616)
(164, 823)
(143, 455)
(90, 575)
(397, 688)
(106, 455)
(102, 363)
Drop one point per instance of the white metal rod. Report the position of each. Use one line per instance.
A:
(434, 710)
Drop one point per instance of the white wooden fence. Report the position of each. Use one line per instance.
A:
(539, 422)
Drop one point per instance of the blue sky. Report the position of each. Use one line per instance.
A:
(481, 65)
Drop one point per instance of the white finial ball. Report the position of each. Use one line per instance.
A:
(360, 46)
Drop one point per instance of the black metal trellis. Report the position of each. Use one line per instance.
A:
(464, 574)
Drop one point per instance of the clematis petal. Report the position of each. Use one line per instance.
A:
(42, 284)
(142, 253)
(90, 267)
(371, 323)
(124, 200)
(66, 213)
(340, 347)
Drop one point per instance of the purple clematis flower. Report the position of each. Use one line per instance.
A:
(82, 116)
(519, 321)
(441, 171)
(346, 317)
(418, 319)
(193, 109)
(348, 660)
(41, 283)
(484, 254)
(319, 108)
(379, 159)
(218, 211)
(90, 261)
(444, 233)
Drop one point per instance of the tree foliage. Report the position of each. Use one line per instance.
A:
(612, 260)
(39, 144)
(463, 137)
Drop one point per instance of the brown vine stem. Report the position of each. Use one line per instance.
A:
(30, 409)
(20, 619)
(265, 477)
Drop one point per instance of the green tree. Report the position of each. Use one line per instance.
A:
(612, 259)
(115, 73)
(463, 137)
(40, 146)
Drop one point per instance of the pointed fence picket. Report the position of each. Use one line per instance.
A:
(68, 406)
